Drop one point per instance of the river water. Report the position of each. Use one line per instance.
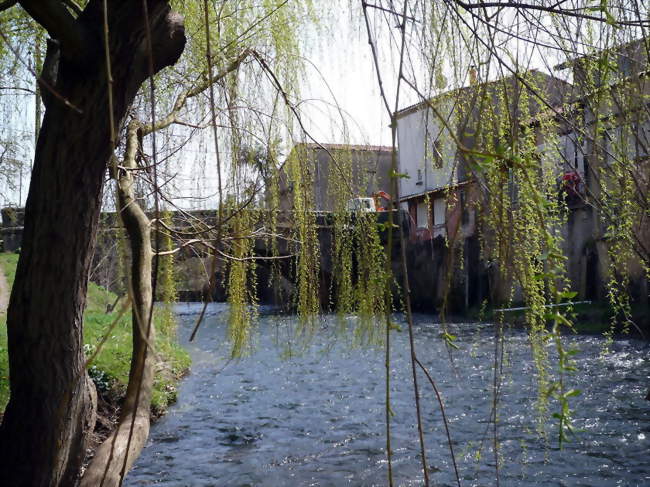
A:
(277, 418)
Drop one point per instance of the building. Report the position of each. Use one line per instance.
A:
(443, 143)
(600, 136)
(336, 173)
(436, 143)
(608, 149)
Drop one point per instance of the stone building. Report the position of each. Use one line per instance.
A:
(608, 131)
(337, 172)
(439, 145)
(601, 116)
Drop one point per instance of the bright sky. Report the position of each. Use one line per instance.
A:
(341, 101)
(345, 78)
(342, 95)
(341, 104)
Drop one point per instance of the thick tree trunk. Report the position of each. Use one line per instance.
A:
(51, 410)
(118, 452)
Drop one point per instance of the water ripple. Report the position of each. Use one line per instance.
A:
(317, 419)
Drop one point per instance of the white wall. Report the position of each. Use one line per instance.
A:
(416, 134)
(410, 137)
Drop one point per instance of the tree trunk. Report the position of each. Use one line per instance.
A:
(118, 452)
(51, 410)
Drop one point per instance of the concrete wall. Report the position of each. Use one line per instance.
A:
(338, 172)
(423, 144)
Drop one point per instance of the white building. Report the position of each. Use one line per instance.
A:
(436, 186)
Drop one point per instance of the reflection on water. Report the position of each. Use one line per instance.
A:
(317, 418)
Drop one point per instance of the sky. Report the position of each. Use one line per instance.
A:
(345, 79)
(340, 104)
(340, 101)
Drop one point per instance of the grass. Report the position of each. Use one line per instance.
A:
(110, 369)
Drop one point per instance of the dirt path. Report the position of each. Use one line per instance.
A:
(4, 292)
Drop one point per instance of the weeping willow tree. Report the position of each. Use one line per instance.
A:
(512, 133)
(537, 148)
(252, 214)
(237, 85)
(221, 79)
(100, 55)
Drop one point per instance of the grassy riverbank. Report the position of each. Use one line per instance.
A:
(110, 369)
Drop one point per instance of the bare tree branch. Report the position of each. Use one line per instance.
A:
(172, 116)
(18, 88)
(550, 9)
(384, 9)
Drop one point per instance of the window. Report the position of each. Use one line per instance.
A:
(439, 211)
(464, 215)
(422, 215)
(573, 153)
(419, 176)
(437, 154)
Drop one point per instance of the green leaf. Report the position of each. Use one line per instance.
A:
(609, 18)
(572, 393)
(563, 319)
(567, 294)
(394, 326)
(402, 175)
(449, 339)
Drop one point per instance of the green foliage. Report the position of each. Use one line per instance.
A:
(110, 369)
(9, 262)
(360, 281)
(272, 31)
(166, 285)
(521, 232)
(307, 248)
(522, 215)
(241, 283)
(112, 364)
(372, 280)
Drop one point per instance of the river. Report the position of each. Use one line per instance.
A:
(279, 418)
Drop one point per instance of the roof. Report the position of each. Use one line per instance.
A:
(625, 48)
(549, 79)
(433, 192)
(350, 147)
